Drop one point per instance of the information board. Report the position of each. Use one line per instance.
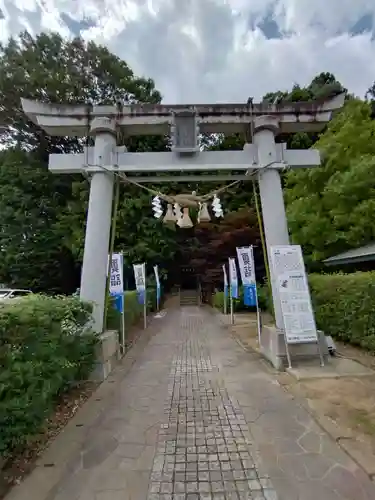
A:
(289, 272)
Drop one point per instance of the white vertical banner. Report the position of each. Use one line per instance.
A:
(233, 277)
(157, 279)
(225, 289)
(225, 276)
(116, 289)
(116, 280)
(140, 284)
(246, 264)
(233, 285)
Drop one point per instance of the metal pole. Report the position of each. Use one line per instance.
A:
(123, 323)
(123, 333)
(145, 311)
(231, 310)
(225, 303)
(258, 315)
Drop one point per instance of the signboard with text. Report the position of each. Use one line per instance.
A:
(293, 290)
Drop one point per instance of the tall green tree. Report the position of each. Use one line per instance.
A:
(332, 208)
(51, 69)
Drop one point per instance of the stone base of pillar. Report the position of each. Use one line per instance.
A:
(273, 349)
(107, 355)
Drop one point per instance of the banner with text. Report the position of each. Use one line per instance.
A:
(225, 281)
(289, 270)
(246, 264)
(116, 280)
(233, 278)
(140, 281)
(157, 279)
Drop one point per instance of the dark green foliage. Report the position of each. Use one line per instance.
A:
(44, 348)
(45, 213)
(133, 309)
(331, 208)
(345, 306)
(238, 305)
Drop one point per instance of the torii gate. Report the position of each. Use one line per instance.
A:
(184, 123)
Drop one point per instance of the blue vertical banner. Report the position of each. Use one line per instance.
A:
(157, 279)
(247, 270)
(246, 264)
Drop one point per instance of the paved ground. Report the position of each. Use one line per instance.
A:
(195, 418)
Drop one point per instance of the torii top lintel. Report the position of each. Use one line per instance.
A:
(155, 119)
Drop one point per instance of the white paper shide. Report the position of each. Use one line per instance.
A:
(293, 290)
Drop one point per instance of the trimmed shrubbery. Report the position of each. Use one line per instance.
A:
(344, 306)
(44, 348)
(133, 309)
(238, 305)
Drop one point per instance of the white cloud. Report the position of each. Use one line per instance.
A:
(211, 50)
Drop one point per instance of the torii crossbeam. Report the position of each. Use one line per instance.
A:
(263, 158)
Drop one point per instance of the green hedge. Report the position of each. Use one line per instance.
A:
(44, 348)
(344, 306)
(238, 305)
(133, 309)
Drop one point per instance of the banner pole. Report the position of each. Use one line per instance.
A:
(231, 310)
(123, 324)
(258, 315)
(145, 310)
(123, 339)
(225, 301)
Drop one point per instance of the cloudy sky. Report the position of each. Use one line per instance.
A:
(217, 50)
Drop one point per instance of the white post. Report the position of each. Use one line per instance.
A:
(95, 257)
(271, 194)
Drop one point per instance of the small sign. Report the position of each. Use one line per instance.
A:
(294, 294)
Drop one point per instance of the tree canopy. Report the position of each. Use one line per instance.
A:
(331, 208)
(45, 213)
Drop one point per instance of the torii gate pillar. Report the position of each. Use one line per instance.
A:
(98, 225)
(271, 195)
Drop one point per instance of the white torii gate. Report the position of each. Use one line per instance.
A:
(263, 157)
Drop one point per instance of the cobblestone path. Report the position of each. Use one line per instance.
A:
(194, 418)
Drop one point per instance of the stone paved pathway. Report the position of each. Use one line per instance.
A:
(195, 418)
